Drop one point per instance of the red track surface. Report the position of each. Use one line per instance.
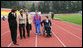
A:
(64, 35)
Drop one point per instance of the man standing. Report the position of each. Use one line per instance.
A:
(37, 22)
(52, 15)
(13, 25)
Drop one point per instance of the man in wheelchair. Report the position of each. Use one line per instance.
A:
(47, 27)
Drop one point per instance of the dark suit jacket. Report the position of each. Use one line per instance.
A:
(46, 24)
(12, 19)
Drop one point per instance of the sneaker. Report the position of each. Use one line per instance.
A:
(24, 36)
(46, 35)
(36, 33)
(27, 36)
(21, 38)
(39, 33)
(16, 44)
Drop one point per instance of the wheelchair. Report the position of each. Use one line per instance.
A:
(47, 31)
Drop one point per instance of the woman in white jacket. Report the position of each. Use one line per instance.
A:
(28, 23)
(22, 22)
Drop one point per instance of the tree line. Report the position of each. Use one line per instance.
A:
(10, 4)
(60, 6)
(47, 6)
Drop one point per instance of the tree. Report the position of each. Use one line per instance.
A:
(33, 7)
(46, 6)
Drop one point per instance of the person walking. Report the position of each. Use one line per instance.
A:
(52, 15)
(37, 22)
(13, 25)
(28, 23)
(22, 23)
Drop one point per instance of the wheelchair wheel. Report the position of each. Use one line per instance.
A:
(51, 33)
(43, 33)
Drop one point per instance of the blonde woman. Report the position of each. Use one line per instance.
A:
(22, 23)
(28, 23)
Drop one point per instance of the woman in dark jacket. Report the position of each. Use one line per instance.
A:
(13, 25)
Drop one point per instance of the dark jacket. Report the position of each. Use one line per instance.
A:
(46, 24)
(12, 19)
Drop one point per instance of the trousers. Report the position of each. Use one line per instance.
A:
(37, 26)
(22, 27)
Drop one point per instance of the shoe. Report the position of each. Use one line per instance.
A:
(28, 36)
(36, 33)
(39, 34)
(24, 37)
(46, 35)
(50, 35)
(16, 44)
(21, 38)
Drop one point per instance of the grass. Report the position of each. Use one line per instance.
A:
(77, 19)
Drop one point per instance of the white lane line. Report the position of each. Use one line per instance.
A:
(59, 39)
(4, 27)
(36, 41)
(74, 27)
(12, 42)
(69, 32)
(72, 23)
(5, 24)
(4, 33)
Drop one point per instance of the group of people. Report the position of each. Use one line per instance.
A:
(25, 20)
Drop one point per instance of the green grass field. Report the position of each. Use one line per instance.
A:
(77, 19)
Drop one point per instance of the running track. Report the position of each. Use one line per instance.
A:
(64, 35)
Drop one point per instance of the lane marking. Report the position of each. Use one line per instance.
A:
(59, 39)
(5, 27)
(4, 33)
(12, 42)
(72, 23)
(69, 32)
(4, 24)
(73, 27)
(35, 36)
(36, 41)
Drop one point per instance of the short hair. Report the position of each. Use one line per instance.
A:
(26, 10)
(36, 10)
(14, 8)
(46, 16)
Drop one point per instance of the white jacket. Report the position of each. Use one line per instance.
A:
(21, 20)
